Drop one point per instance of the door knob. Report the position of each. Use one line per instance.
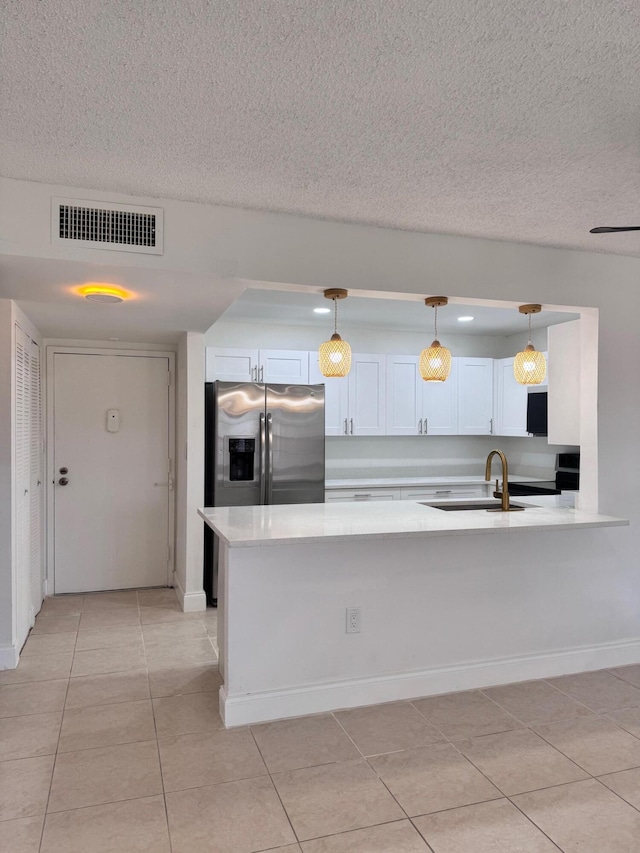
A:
(63, 481)
(64, 471)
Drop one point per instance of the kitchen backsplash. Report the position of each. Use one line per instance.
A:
(417, 456)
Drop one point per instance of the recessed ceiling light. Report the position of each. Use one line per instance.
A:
(465, 319)
(322, 310)
(106, 293)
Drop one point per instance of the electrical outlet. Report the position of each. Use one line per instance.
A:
(354, 620)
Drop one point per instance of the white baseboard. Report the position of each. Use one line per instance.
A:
(9, 657)
(316, 698)
(191, 602)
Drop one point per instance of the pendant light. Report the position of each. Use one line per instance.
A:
(334, 355)
(529, 366)
(435, 361)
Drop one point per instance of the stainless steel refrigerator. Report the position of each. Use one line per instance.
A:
(264, 444)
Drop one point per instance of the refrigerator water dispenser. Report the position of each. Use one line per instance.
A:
(242, 453)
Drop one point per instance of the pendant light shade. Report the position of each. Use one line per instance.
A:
(334, 355)
(529, 366)
(435, 361)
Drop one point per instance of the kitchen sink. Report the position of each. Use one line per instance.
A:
(461, 506)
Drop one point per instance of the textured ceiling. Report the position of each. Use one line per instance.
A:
(516, 120)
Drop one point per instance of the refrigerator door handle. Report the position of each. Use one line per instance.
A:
(269, 478)
(263, 459)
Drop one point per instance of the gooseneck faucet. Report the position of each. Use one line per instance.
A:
(505, 482)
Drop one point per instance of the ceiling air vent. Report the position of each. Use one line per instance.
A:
(102, 225)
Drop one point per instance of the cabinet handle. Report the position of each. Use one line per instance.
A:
(262, 373)
(490, 426)
(425, 426)
(254, 374)
(351, 419)
(346, 430)
(362, 497)
(443, 491)
(420, 427)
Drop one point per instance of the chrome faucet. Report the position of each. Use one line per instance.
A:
(505, 483)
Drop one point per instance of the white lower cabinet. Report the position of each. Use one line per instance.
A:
(434, 493)
(442, 492)
(373, 494)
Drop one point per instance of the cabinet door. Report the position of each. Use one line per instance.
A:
(336, 398)
(475, 396)
(231, 364)
(404, 396)
(510, 400)
(367, 394)
(443, 493)
(440, 404)
(361, 495)
(287, 367)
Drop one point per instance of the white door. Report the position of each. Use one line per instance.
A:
(367, 397)
(440, 404)
(404, 395)
(475, 396)
(111, 433)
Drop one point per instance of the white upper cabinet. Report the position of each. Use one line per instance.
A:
(230, 364)
(287, 367)
(475, 396)
(404, 395)
(233, 364)
(440, 404)
(510, 416)
(367, 394)
(336, 398)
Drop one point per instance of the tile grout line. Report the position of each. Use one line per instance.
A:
(53, 768)
(273, 784)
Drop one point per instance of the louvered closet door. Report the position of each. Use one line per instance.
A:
(22, 529)
(36, 479)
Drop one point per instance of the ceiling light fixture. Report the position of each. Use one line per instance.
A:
(529, 366)
(435, 361)
(322, 310)
(334, 355)
(465, 319)
(107, 293)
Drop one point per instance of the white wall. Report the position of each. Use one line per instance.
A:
(190, 471)
(265, 247)
(268, 336)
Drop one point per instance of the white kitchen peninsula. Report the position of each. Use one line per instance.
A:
(448, 601)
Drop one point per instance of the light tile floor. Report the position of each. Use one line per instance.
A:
(110, 742)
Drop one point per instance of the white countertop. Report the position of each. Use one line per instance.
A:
(295, 524)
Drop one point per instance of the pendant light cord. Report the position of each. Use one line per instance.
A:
(335, 317)
(435, 322)
(529, 329)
